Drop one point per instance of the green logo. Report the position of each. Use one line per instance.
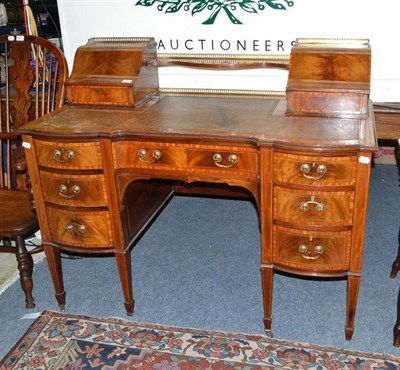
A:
(215, 7)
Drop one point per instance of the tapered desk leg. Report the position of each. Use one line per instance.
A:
(123, 260)
(54, 262)
(353, 286)
(267, 276)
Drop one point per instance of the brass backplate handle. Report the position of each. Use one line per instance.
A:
(313, 172)
(142, 153)
(73, 224)
(305, 206)
(73, 191)
(232, 159)
(63, 155)
(318, 250)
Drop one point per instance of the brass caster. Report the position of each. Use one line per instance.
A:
(269, 334)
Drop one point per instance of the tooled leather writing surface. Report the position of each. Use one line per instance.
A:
(256, 120)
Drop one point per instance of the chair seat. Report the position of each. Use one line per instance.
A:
(17, 216)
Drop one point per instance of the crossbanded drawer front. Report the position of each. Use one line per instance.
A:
(79, 156)
(148, 155)
(80, 229)
(316, 171)
(216, 160)
(311, 250)
(333, 208)
(74, 190)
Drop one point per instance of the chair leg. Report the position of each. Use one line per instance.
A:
(393, 273)
(395, 265)
(396, 329)
(25, 267)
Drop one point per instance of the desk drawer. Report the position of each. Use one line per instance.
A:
(74, 190)
(313, 207)
(80, 229)
(77, 156)
(148, 155)
(312, 251)
(316, 171)
(241, 161)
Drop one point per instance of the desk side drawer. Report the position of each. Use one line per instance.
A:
(68, 155)
(240, 161)
(74, 190)
(334, 208)
(80, 229)
(315, 171)
(148, 155)
(311, 250)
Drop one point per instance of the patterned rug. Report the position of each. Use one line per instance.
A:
(74, 342)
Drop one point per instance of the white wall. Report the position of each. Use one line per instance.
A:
(266, 32)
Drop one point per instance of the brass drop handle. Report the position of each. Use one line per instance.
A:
(305, 206)
(73, 224)
(318, 250)
(63, 155)
(142, 153)
(232, 159)
(63, 189)
(313, 172)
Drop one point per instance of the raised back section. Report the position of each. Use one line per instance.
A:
(329, 78)
(114, 72)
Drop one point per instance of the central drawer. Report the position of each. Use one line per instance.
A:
(149, 155)
(241, 161)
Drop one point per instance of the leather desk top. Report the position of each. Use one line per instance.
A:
(260, 121)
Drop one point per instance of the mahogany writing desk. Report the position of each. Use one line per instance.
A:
(101, 173)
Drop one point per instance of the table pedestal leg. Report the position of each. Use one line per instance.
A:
(267, 276)
(54, 262)
(353, 286)
(123, 260)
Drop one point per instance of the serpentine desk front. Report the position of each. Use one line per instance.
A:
(100, 175)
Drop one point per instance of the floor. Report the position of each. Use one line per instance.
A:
(8, 270)
(8, 264)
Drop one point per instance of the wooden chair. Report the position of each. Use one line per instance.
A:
(396, 328)
(32, 75)
(393, 273)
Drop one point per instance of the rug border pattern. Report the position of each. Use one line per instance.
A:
(331, 355)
